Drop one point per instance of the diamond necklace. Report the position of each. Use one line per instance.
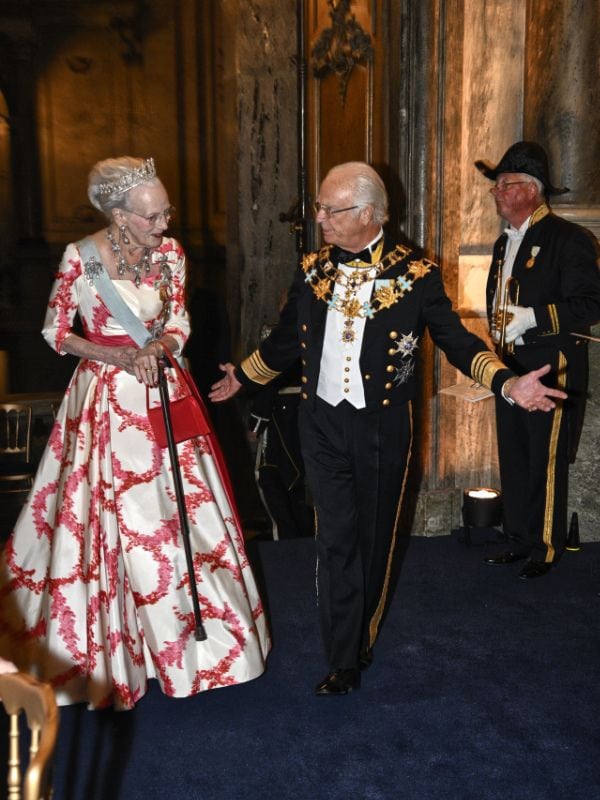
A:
(123, 266)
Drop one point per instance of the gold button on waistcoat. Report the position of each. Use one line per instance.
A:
(305, 328)
(389, 385)
(304, 396)
(304, 379)
(391, 352)
(367, 377)
(385, 402)
(389, 368)
(303, 345)
(393, 334)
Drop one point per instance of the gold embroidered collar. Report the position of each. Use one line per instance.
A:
(540, 212)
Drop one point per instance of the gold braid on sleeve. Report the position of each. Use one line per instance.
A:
(484, 367)
(256, 370)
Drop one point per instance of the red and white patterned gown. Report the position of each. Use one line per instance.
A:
(95, 591)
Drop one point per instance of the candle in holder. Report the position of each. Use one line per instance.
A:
(482, 507)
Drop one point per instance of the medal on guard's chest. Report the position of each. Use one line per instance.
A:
(531, 260)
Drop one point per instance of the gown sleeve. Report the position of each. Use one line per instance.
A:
(64, 300)
(178, 324)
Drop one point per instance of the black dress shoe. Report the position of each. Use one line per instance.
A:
(508, 557)
(535, 569)
(365, 658)
(340, 681)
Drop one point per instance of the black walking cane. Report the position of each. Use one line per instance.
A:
(200, 633)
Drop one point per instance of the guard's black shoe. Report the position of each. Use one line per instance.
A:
(507, 557)
(340, 681)
(535, 569)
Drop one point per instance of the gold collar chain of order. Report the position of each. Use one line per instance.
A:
(323, 276)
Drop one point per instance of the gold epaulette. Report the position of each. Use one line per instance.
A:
(256, 370)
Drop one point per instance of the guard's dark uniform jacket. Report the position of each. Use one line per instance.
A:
(557, 273)
(408, 296)
(558, 277)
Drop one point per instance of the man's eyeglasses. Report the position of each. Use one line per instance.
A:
(152, 219)
(329, 211)
(502, 187)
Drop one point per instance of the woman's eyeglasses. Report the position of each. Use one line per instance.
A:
(152, 219)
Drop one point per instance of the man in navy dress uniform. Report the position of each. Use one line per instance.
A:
(356, 315)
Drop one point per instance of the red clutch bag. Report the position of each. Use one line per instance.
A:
(189, 417)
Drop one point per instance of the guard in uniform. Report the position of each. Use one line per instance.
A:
(543, 290)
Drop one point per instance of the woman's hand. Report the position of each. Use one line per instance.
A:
(123, 357)
(145, 363)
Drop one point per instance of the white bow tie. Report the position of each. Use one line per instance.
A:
(514, 234)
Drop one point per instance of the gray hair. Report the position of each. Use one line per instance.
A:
(525, 176)
(110, 180)
(366, 186)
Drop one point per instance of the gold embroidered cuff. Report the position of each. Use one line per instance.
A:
(484, 367)
(256, 370)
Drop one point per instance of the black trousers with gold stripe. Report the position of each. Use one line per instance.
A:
(534, 466)
(356, 463)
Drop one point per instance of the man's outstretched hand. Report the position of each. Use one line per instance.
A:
(227, 387)
(531, 394)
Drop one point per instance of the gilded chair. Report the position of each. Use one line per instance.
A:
(20, 693)
(16, 469)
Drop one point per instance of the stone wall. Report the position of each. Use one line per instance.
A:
(261, 250)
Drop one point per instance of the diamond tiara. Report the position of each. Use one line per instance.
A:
(129, 180)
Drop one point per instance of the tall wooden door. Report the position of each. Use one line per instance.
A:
(346, 92)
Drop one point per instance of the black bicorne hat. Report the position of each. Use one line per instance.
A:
(527, 157)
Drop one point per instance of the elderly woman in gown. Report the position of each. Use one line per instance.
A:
(95, 593)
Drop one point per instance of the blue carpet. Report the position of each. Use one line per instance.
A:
(483, 687)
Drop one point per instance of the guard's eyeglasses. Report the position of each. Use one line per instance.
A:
(502, 187)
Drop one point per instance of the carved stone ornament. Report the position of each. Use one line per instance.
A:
(340, 47)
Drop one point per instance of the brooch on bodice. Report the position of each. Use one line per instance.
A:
(91, 269)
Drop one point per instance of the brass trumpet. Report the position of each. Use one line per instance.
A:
(501, 315)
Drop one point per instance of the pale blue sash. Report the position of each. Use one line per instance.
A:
(98, 277)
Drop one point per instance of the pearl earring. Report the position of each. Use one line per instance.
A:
(123, 232)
